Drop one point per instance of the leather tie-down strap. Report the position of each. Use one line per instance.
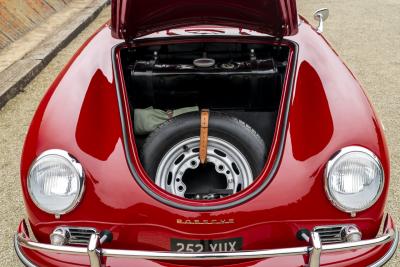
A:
(204, 116)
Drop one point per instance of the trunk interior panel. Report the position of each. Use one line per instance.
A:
(243, 80)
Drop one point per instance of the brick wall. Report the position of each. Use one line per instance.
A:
(19, 16)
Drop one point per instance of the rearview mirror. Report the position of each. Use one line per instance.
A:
(321, 15)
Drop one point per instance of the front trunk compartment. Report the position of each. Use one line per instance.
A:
(243, 81)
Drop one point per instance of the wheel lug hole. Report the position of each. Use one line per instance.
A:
(193, 163)
(180, 188)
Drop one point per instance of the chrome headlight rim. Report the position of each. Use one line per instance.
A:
(77, 166)
(328, 168)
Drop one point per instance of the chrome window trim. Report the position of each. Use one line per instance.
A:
(75, 164)
(331, 163)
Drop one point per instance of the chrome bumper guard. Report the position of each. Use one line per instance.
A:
(314, 250)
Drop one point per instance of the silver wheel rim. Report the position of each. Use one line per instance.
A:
(227, 159)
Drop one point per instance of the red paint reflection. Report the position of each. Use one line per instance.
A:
(311, 126)
(95, 134)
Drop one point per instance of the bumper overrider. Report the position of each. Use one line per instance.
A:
(376, 251)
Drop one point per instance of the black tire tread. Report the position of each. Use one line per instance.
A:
(238, 128)
(235, 121)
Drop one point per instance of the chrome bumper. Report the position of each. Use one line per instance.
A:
(314, 250)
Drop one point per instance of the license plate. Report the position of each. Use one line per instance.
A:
(194, 246)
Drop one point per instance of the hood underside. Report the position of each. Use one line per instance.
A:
(134, 18)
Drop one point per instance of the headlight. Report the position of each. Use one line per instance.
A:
(354, 179)
(56, 182)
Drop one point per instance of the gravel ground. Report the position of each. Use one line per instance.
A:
(365, 33)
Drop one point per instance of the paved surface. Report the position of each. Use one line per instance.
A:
(366, 35)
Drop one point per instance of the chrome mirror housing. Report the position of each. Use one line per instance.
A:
(321, 15)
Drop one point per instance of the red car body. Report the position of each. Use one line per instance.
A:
(86, 114)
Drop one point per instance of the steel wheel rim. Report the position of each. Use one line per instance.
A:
(184, 155)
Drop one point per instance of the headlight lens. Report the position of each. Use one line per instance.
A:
(354, 179)
(55, 182)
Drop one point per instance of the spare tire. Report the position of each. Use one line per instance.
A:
(236, 155)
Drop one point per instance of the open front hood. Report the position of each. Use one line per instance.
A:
(135, 18)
